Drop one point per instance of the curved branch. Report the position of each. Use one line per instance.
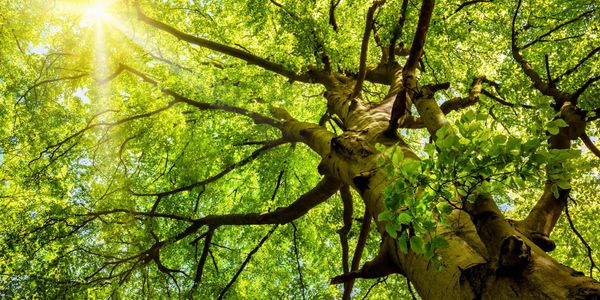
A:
(258, 118)
(216, 177)
(53, 149)
(589, 144)
(583, 241)
(319, 194)
(228, 50)
(584, 87)
(51, 81)
(332, 21)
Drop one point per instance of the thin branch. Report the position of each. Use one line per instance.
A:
(504, 102)
(589, 144)
(237, 274)
(556, 28)
(343, 232)
(228, 50)
(410, 290)
(277, 185)
(258, 118)
(51, 81)
(538, 83)
(53, 149)
(583, 241)
(582, 89)
(362, 69)
(217, 176)
(297, 254)
(469, 3)
(360, 246)
(574, 68)
(376, 283)
(548, 74)
(135, 213)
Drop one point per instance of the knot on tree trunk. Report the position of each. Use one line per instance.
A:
(514, 258)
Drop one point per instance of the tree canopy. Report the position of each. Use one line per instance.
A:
(320, 149)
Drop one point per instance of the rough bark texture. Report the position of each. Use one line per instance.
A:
(487, 257)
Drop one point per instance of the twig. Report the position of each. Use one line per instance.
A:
(583, 241)
(237, 274)
(297, 254)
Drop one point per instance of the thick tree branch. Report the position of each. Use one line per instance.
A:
(406, 91)
(462, 102)
(228, 50)
(417, 47)
(202, 261)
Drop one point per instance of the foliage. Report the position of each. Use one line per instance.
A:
(80, 149)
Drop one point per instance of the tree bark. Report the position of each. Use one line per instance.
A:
(486, 258)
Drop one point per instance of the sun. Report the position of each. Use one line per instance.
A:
(96, 12)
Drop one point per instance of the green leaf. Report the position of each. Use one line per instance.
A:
(565, 185)
(391, 229)
(553, 130)
(560, 123)
(404, 218)
(386, 215)
(444, 207)
(403, 242)
(499, 139)
(417, 244)
(439, 242)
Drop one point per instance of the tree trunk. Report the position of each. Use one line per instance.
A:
(486, 258)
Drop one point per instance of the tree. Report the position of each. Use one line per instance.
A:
(268, 149)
